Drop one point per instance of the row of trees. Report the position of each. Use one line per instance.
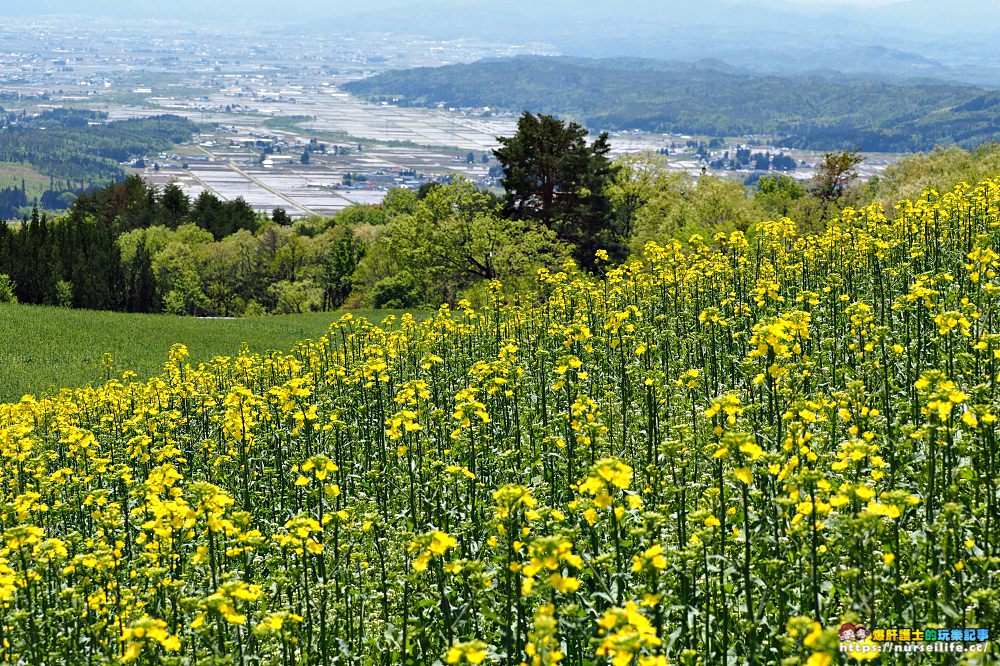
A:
(279, 269)
(564, 198)
(15, 201)
(131, 247)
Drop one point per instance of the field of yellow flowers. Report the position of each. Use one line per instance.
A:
(716, 454)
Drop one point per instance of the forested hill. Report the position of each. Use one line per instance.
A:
(78, 151)
(820, 112)
(83, 146)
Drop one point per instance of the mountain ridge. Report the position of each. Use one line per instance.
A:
(705, 98)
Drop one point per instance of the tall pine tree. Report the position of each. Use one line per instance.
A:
(554, 177)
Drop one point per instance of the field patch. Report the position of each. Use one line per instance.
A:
(43, 349)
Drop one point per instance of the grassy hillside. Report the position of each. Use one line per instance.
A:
(941, 169)
(815, 112)
(45, 348)
(12, 175)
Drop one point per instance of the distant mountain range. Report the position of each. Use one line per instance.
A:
(912, 38)
(905, 39)
(710, 97)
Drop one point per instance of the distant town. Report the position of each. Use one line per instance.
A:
(278, 130)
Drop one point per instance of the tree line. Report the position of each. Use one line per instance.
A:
(136, 248)
(131, 247)
(15, 200)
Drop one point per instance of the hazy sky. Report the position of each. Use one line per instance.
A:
(860, 3)
(479, 16)
(868, 3)
(332, 7)
(820, 4)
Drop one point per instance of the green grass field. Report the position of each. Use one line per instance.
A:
(43, 349)
(35, 184)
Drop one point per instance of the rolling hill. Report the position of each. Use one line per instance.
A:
(817, 111)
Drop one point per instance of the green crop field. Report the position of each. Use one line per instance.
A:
(43, 349)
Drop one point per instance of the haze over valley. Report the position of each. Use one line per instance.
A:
(283, 86)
